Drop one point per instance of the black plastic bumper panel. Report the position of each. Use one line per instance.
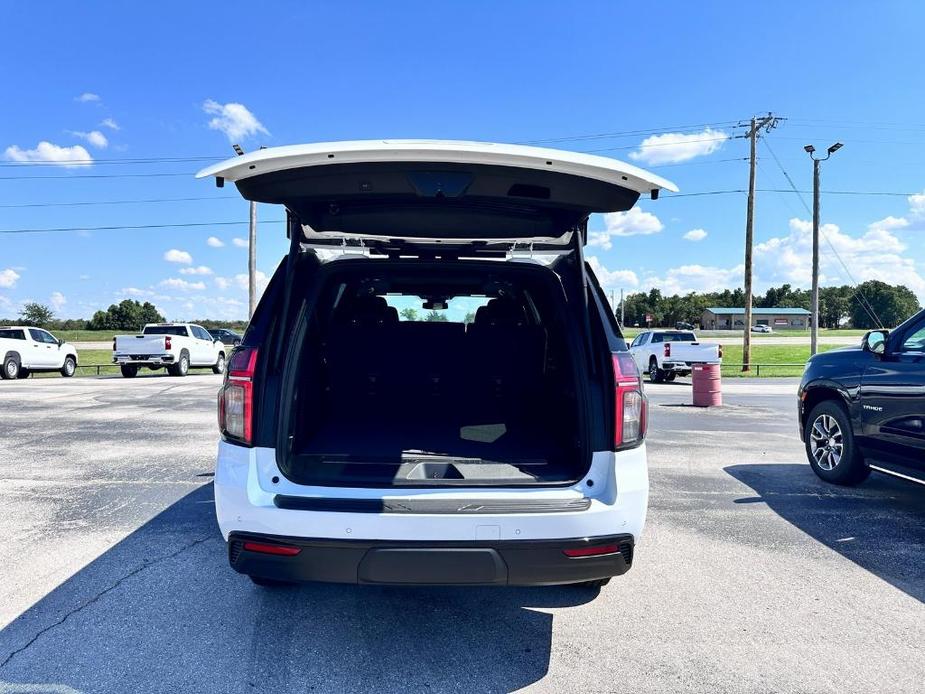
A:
(513, 562)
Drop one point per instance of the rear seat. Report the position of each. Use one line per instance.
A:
(355, 348)
(506, 355)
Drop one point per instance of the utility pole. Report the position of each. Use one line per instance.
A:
(251, 252)
(817, 165)
(621, 308)
(756, 124)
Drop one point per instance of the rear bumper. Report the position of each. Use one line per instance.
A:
(676, 366)
(511, 562)
(143, 359)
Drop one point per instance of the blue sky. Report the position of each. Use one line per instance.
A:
(141, 81)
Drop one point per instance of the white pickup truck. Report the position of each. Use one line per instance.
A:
(176, 346)
(26, 350)
(665, 354)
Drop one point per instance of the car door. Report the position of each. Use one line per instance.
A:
(205, 348)
(42, 349)
(892, 398)
(637, 349)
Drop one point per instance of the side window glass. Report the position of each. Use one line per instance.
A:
(916, 341)
(635, 342)
(49, 338)
(656, 337)
(36, 335)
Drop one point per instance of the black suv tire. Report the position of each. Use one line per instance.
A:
(830, 418)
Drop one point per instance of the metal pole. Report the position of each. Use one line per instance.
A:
(622, 322)
(749, 236)
(252, 262)
(814, 328)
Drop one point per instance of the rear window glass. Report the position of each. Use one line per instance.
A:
(13, 334)
(179, 330)
(459, 309)
(674, 337)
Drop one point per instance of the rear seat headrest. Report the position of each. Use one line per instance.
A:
(368, 310)
(500, 312)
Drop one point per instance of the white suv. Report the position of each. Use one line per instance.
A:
(433, 389)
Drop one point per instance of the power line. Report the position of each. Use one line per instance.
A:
(88, 162)
(118, 202)
(129, 227)
(628, 133)
(86, 176)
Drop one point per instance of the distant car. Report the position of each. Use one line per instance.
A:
(683, 325)
(762, 329)
(227, 337)
(26, 350)
(863, 408)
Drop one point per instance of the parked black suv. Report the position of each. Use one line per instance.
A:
(228, 337)
(863, 408)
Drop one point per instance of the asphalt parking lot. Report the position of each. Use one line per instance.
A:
(752, 575)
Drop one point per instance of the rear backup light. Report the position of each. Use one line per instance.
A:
(236, 397)
(586, 551)
(667, 349)
(630, 404)
(264, 548)
(167, 342)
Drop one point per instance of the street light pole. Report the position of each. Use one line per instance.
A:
(817, 165)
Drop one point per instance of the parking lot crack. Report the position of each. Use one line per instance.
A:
(100, 594)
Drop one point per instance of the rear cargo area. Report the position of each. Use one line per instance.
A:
(396, 399)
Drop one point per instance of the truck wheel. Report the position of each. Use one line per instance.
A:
(129, 370)
(830, 445)
(670, 376)
(656, 375)
(70, 366)
(10, 370)
(219, 367)
(181, 368)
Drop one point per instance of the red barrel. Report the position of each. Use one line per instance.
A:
(708, 386)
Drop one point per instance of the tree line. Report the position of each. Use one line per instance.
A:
(838, 306)
(127, 315)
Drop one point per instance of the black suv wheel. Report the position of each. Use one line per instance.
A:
(830, 445)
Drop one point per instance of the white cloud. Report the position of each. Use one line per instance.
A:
(876, 254)
(242, 281)
(215, 242)
(696, 235)
(69, 157)
(240, 243)
(87, 97)
(633, 222)
(612, 279)
(84, 277)
(177, 256)
(222, 282)
(110, 123)
(199, 270)
(913, 220)
(672, 148)
(695, 278)
(57, 300)
(235, 120)
(8, 278)
(133, 291)
(182, 285)
(94, 137)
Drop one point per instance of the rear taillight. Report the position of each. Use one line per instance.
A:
(167, 342)
(236, 397)
(667, 349)
(630, 404)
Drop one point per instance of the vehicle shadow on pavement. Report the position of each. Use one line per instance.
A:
(162, 612)
(879, 525)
